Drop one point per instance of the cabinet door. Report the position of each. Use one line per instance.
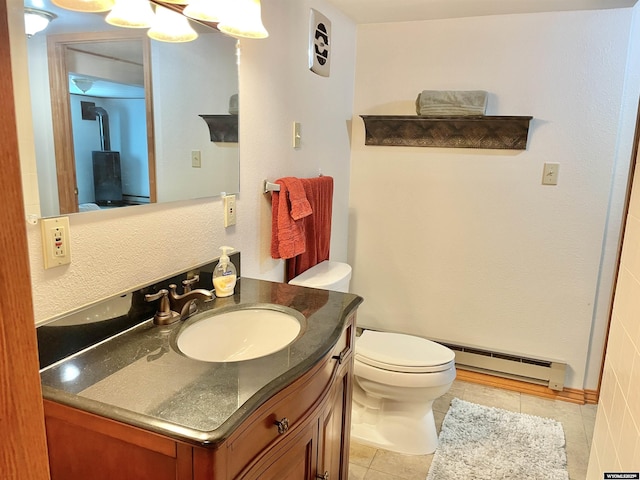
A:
(84, 446)
(295, 459)
(335, 423)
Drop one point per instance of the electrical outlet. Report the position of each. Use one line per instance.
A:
(229, 210)
(56, 248)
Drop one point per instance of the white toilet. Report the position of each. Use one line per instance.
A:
(326, 275)
(397, 378)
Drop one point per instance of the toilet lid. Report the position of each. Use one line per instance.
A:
(402, 353)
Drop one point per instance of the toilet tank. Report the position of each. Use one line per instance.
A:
(326, 275)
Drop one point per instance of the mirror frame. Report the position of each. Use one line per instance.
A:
(57, 46)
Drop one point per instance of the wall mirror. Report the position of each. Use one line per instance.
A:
(117, 116)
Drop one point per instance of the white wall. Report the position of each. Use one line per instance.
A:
(471, 247)
(115, 250)
(616, 437)
(191, 82)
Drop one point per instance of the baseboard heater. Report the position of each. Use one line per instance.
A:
(540, 372)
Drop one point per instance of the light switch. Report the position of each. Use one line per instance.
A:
(296, 135)
(196, 159)
(550, 173)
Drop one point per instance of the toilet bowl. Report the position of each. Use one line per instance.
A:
(397, 379)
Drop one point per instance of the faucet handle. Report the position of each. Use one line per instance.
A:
(164, 315)
(189, 282)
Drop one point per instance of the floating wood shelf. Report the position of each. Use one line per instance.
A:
(449, 132)
(222, 128)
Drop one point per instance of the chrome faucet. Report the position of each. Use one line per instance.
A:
(184, 304)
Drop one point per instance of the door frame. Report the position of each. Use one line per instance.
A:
(23, 452)
(57, 46)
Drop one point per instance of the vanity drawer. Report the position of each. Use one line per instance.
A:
(344, 346)
(291, 407)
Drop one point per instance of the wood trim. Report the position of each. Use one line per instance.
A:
(592, 396)
(571, 395)
(111, 428)
(23, 450)
(62, 129)
(184, 466)
(208, 465)
(151, 134)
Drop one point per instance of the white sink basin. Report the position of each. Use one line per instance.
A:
(238, 334)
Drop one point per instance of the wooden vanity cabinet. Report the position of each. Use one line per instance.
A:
(335, 426)
(85, 446)
(311, 440)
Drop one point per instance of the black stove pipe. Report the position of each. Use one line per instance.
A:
(103, 123)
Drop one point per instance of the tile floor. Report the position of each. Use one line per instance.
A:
(369, 463)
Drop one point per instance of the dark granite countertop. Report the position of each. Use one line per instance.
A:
(137, 376)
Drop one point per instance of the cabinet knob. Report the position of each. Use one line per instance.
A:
(283, 425)
(324, 476)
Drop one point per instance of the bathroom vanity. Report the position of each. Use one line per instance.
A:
(133, 406)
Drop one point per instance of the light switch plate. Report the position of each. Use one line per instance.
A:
(297, 137)
(196, 159)
(550, 173)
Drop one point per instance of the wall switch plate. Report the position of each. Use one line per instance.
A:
(550, 173)
(296, 135)
(196, 159)
(56, 248)
(229, 210)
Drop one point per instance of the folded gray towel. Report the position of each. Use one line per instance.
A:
(451, 102)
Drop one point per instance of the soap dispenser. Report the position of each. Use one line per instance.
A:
(224, 275)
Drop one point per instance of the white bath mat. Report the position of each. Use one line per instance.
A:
(485, 443)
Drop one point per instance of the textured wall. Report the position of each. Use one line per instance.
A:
(115, 250)
(471, 247)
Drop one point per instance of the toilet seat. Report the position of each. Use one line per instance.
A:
(397, 352)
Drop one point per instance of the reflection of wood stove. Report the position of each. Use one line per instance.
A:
(107, 176)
